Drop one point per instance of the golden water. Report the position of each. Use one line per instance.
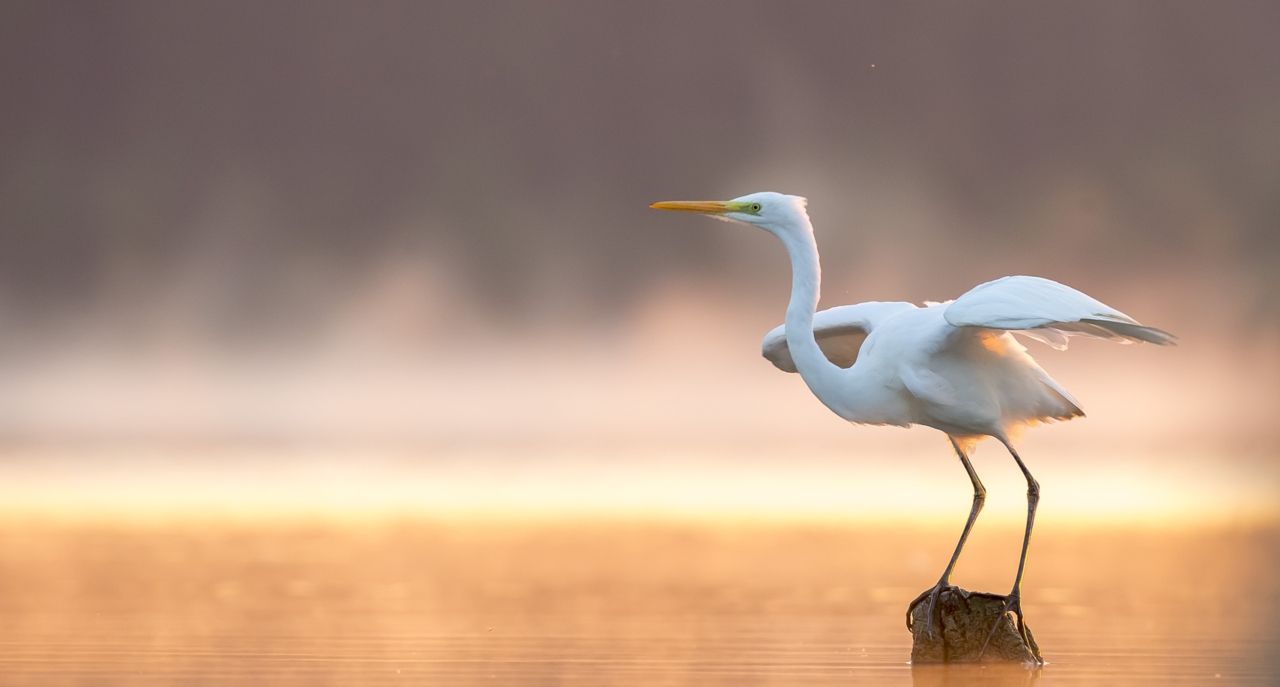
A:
(610, 603)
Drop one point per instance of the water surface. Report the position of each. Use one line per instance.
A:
(469, 602)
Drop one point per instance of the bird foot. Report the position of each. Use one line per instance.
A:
(933, 618)
(1013, 603)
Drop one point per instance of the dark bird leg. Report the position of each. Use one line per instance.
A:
(979, 497)
(1014, 600)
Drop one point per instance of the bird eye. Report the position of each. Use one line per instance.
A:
(755, 207)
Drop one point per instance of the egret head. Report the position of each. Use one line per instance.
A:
(776, 213)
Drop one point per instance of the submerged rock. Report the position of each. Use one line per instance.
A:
(966, 620)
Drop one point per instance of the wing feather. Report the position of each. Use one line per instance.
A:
(839, 331)
(1045, 310)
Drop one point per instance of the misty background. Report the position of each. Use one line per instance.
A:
(363, 221)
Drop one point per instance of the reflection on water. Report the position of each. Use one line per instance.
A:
(459, 603)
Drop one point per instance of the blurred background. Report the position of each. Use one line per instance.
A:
(339, 342)
(328, 257)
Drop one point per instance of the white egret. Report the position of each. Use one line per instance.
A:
(951, 366)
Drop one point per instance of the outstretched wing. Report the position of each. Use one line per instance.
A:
(839, 331)
(1045, 310)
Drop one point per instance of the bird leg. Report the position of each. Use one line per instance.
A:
(1013, 602)
(931, 595)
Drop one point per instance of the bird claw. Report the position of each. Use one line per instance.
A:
(931, 596)
(1013, 603)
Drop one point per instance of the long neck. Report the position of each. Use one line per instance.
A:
(806, 277)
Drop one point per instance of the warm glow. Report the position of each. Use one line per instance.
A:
(922, 485)
(339, 342)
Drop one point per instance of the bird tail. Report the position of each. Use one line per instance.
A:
(1064, 406)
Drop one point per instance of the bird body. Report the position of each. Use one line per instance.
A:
(916, 368)
(912, 365)
(953, 366)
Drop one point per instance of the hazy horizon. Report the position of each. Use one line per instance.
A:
(427, 225)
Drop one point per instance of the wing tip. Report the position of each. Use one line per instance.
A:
(1133, 331)
(1165, 338)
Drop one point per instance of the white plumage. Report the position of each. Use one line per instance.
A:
(953, 366)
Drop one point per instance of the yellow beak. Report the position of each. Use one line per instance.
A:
(706, 207)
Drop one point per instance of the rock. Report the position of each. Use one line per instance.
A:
(966, 621)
